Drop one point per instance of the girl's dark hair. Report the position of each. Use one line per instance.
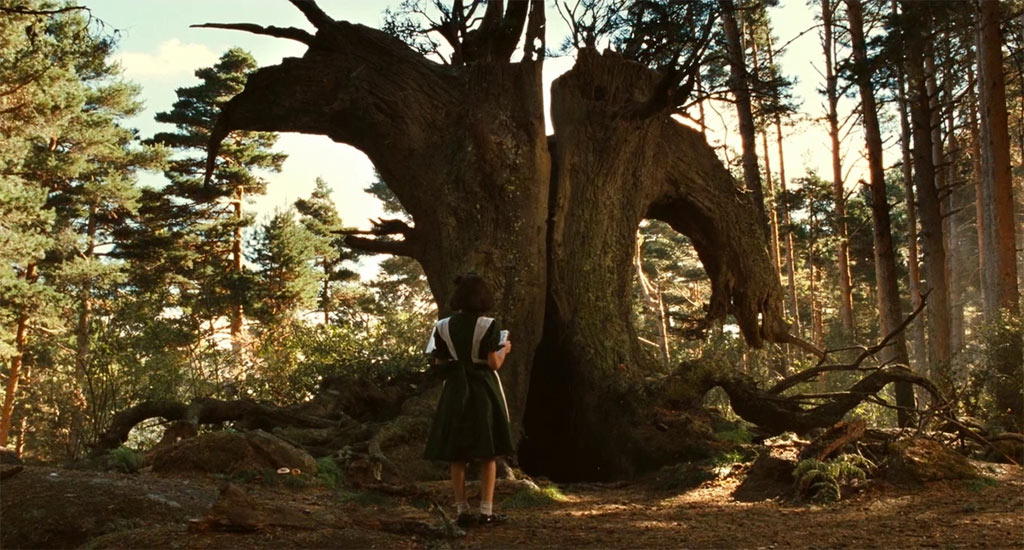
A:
(472, 294)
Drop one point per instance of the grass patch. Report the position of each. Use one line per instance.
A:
(328, 473)
(981, 483)
(533, 498)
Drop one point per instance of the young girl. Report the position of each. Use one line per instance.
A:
(471, 422)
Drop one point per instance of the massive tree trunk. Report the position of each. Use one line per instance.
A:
(556, 241)
(885, 255)
(611, 172)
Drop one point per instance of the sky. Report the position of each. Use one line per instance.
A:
(160, 52)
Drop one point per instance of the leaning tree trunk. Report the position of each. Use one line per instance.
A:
(463, 148)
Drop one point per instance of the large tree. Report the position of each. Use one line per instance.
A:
(551, 221)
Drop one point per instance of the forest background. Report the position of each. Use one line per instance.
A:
(127, 287)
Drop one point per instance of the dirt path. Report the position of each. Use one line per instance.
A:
(950, 514)
(69, 509)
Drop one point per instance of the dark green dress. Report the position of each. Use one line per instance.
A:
(472, 417)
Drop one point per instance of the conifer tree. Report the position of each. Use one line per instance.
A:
(286, 282)
(212, 218)
(320, 217)
(70, 150)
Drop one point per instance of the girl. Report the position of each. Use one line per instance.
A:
(471, 422)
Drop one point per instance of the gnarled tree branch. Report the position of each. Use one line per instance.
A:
(290, 33)
(314, 14)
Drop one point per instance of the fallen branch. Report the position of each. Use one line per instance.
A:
(203, 411)
(812, 373)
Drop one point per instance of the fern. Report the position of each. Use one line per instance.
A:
(822, 481)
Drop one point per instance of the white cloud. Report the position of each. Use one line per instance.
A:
(173, 58)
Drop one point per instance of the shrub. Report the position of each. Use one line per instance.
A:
(126, 460)
(329, 474)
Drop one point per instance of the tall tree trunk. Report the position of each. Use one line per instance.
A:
(554, 232)
(817, 321)
(927, 194)
(739, 84)
(83, 393)
(774, 248)
(790, 257)
(979, 203)
(953, 249)
(14, 373)
(885, 255)
(913, 256)
(773, 213)
(838, 191)
(236, 267)
(1007, 354)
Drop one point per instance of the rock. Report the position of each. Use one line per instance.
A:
(237, 512)
(231, 452)
(42, 508)
(920, 459)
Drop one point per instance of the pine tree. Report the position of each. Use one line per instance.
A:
(212, 218)
(286, 281)
(320, 217)
(73, 148)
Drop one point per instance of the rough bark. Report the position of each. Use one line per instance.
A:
(557, 243)
(997, 193)
(478, 196)
(885, 255)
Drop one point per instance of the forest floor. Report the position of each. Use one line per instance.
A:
(53, 508)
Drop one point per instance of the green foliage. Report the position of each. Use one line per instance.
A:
(328, 473)
(533, 498)
(126, 460)
(728, 458)
(736, 434)
(822, 481)
(981, 483)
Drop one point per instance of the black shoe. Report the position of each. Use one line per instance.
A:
(466, 519)
(492, 519)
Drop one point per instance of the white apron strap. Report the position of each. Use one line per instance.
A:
(482, 324)
(441, 328)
